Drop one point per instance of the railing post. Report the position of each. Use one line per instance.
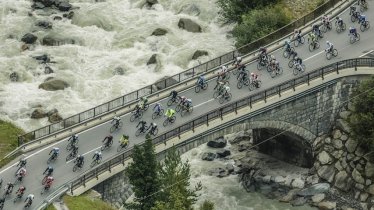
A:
(193, 126)
(123, 159)
(49, 128)
(236, 107)
(294, 83)
(220, 113)
(179, 132)
(207, 122)
(265, 97)
(84, 180)
(337, 67)
(220, 60)
(97, 174)
(250, 102)
(279, 90)
(109, 167)
(137, 94)
(79, 117)
(179, 77)
(356, 64)
(71, 188)
(323, 71)
(308, 79)
(95, 111)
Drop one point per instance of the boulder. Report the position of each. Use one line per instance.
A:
(48, 70)
(371, 189)
(357, 177)
(341, 180)
(119, 71)
(199, 53)
(189, 25)
(218, 172)
(159, 32)
(279, 179)
(42, 58)
(29, 38)
(14, 77)
(208, 156)
(344, 114)
(190, 9)
(326, 172)
(53, 85)
(54, 118)
(69, 15)
(219, 142)
(38, 113)
(223, 153)
(37, 5)
(337, 134)
(324, 158)
(57, 18)
(328, 140)
(315, 189)
(64, 6)
(327, 205)
(151, 2)
(289, 196)
(343, 125)
(230, 168)
(44, 24)
(338, 144)
(369, 169)
(318, 198)
(152, 59)
(351, 145)
(298, 183)
(298, 201)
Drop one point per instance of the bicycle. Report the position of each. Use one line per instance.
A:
(44, 180)
(71, 144)
(276, 70)
(17, 198)
(141, 130)
(326, 26)
(115, 127)
(313, 45)
(298, 68)
(203, 86)
(243, 80)
(19, 179)
(72, 155)
(154, 132)
(27, 205)
(354, 39)
(95, 162)
(158, 114)
(169, 121)
(185, 110)
(254, 84)
(340, 28)
(136, 115)
(365, 26)
(354, 16)
(225, 97)
(173, 100)
(45, 189)
(106, 145)
(52, 158)
(217, 92)
(121, 147)
(263, 62)
(299, 40)
(331, 53)
(288, 52)
(76, 166)
(237, 69)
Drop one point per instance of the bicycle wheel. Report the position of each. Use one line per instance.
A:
(113, 128)
(154, 115)
(205, 86)
(335, 52)
(166, 122)
(324, 28)
(246, 82)
(251, 86)
(328, 55)
(229, 97)
(120, 125)
(259, 66)
(259, 83)
(178, 108)
(240, 84)
(295, 71)
(69, 146)
(296, 42)
(49, 159)
(290, 63)
(172, 120)
(216, 94)
(93, 163)
(197, 88)
(280, 70)
(155, 132)
(75, 168)
(273, 74)
(311, 47)
(69, 157)
(119, 148)
(170, 102)
(285, 54)
(137, 133)
(103, 147)
(134, 116)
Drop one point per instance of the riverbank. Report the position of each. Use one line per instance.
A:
(8, 140)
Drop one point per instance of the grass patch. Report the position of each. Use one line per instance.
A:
(85, 202)
(8, 140)
(50, 207)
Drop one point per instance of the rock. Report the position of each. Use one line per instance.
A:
(219, 142)
(38, 113)
(190, 9)
(48, 41)
(318, 198)
(324, 158)
(359, 151)
(368, 182)
(339, 166)
(289, 196)
(38, 5)
(344, 114)
(337, 134)
(230, 168)
(54, 118)
(357, 177)
(53, 85)
(44, 24)
(199, 53)
(51, 112)
(159, 32)
(152, 59)
(315, 189)
(223, 153)
(48, 70)
(299, 201)
(279, 179)
(42, 58)
(241, 136)
(359, 186)
(328, 140)
(310, 180)
(57, 18)
(341, 180)
(243, 146)
(343, 125)
(369, 169)
(69, 15)
(64, 6)
(14, 77)
(169, 81)
(29, 38)
(351, 145)
(218, 172)
(298, 183)
(371, 189)
(119, 71)
(266, 179)
(151, 2)
(338, 144)
(208, 156)
(326, 205)
(189, 25)
(344, 137)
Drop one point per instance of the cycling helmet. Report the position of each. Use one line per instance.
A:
(350, 28)
(327, 42)
(252, 74)
(75, 135)
(337, 17)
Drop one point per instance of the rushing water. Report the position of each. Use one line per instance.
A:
(107, 35)
(227, 193)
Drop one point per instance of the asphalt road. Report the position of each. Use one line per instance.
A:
(90, 139)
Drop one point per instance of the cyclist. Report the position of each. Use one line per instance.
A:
(143, 102)
(339, 20)
(49, 182)
(297, 34)
(108, 140)
(137, 109)
(352, 10)
(219, 86)
(22, 162)
(316, 30)
(298, 60)
(287, 45)
(20, 191)
(48, 171)
(169, 113)
(124, 141)
(222, 72)
(362, 19)
(74, 149)
(312, 37)
(182, 100)
(55, 151)
(263, 52)
(74, 139)
(326, 21)
(242, 74)
(352, 31)
(9, 188)
(330, 46)
(226, 89)
(201, 81)
(116, 121)
(254, 78)
(29, 199)
(157, 108)
(21, 173)
(143, 125)
(153, 127)
(188, 103)
(173, 95)
(79, 160)
(97, 156)
(237, 61)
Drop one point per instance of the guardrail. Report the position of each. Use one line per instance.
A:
(220, 112)
(156, 87)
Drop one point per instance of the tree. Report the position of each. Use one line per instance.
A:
(142, 174)
(361, 119)
(207, 205)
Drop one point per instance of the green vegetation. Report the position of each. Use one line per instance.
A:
(361, 119)
(85, 202)
(163, 186)
(50, 207)
(8, 140)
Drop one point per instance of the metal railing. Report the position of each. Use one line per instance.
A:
(220, 112)
(172, 80)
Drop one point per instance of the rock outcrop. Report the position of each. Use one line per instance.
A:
(189, 25)
(54, 84)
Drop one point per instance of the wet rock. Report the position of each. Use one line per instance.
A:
(57, 18)
(298, 183)
(152, 59)
(48, 70)
(324, 158)
(337, 134)
(151, 2)
(230, 168)
(69, 15)
(218, 172)
(351, 145)
(299, 201)
(338, 144)
(64, 6)
(44, 24)
(369, 169)
(208, 156)
(38, 113)
(29, 38)
(159, 32)
(38, 5)
(219, 142)
(371, 189)
(223, 153)
(357, 177)
(326, 172)
(199, 53)
(51, 112)
(318, 198)
(344, 114)
(327, 205)
(343, 125)
(289, 196)
(189, 25)
(53, 85)
(315, 189)
(190, 9)
(119, 71)
(341, 180)
(54, 118)
(42, 58)
(14, 77)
